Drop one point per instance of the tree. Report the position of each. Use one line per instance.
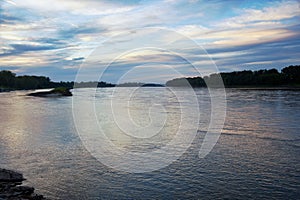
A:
(291, 74)
(7, 78)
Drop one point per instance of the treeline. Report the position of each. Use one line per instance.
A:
(139, 84)
(289, 76)
(9, 81)
(91, 84)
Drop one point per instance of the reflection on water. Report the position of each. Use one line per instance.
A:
(257, 155)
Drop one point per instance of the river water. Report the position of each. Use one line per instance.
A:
(257, 155)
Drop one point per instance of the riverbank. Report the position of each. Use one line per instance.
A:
(11, 187)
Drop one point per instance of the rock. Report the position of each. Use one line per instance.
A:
(57, 92)
(10, 189)
(22, 190)
(37, 197)
(10, 176)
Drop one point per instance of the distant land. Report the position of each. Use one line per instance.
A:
(137, 84)
(288, 77)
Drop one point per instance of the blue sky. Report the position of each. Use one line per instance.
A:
(150, 41)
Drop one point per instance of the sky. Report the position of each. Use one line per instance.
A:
(146, 41)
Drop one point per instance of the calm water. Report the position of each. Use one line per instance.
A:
(257, 155)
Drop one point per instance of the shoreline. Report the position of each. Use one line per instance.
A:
(11, 187)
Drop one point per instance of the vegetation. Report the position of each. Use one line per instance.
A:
(289, 76)
(9, 81)
(92, 84)
(61, 90)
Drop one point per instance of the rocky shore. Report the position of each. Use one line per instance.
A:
(11, 187)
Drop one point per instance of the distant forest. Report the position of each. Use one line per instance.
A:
(288, 77)
(9, 81)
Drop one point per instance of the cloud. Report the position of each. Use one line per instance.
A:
(266, 16)
(59, 35)
(6, 19)
(70, 33)
(24, 48)
(251, 26)
(17, 49)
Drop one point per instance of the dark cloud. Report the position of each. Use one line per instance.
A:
(51, 41)
(18, 49)
(45, 44)
(25, 47)
(70, 33)
(77, 59)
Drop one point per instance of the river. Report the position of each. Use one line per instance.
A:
(257, 155)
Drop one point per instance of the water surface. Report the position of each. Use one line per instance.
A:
(257, 155)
